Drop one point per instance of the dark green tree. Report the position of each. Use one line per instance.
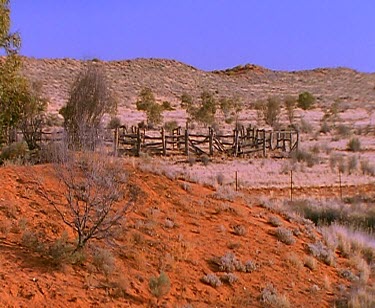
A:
(306, 100)
(13, 87)
(146, 102)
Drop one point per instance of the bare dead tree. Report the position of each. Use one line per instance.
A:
(97, 195)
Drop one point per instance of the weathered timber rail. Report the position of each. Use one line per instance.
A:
(241, 142)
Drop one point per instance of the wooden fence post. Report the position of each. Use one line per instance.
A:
(163, 141)
(210, 141)
(115, 141)
(264, 143)
(187, 141)
(291, 185)
(235, 142)
(138, 145)
(236, 180)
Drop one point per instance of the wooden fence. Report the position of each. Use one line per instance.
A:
(240, 142)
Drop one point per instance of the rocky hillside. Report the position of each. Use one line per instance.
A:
(169, 79)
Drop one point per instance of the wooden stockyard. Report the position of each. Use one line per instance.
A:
(240, 143)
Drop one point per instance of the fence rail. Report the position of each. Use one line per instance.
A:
(240, 142)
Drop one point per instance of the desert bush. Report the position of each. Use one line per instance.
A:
(348, 274)
(115, 122)
(352, 164)
(285, 236)
(322, 252)
(269, 110)
(271, 298)
(290, 104)
(231, 107)
(275, 221)
(325, 128)
(212, 280)
(167, 105)
(229, 278)
(170, 125)
(343, 130)
(15, 152)
(146, 102)
(191, 160)
(367, 168)
(205, 159)
(228, 263)
(225, 193)
(250, 266)
(239, 230)
(103, 260)
(89, 100)
(294, 260)
(310, 263)
(159, 285)
(60, 250)
(304, 156)
(305, 100)
(305, 127)
(362, 297)
(354, 145)
(337, 160)
(220, 178)
(33, 241)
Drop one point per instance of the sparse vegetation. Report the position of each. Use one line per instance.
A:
(89, 100)
(94, 185)
(285, 236)
(160, 285)
(270, 297)
(306, 100)
(212, 280)
(354, 145)
(147, 102)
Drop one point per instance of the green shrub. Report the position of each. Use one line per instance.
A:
(17, 151)
(354, 145)
(60, 250)
(115, 122)
(159, 285)
(170, 125)
(306, 100)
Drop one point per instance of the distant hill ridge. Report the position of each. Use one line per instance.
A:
(169, 79)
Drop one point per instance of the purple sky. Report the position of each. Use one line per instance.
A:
(208, 34)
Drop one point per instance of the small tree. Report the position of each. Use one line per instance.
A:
(269, 110)
(290, 105)
(13, 87)
(95, 197)
(147, 102)
(205, 113)
(231, 107)
(89, 99)
(32, 115)
(306, 100)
